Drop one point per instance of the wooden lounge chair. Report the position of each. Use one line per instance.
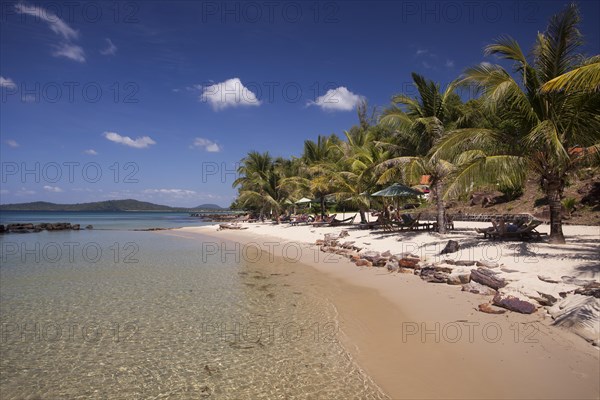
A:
(339, 222)
(378, 223)
(500, 230)
(324, 222)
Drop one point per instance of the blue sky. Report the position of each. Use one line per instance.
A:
(158, 101)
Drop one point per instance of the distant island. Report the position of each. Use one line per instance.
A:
(109, 205)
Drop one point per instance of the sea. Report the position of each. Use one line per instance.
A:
(116, 312)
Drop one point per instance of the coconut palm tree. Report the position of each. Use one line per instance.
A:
(263, 183)
(420, 122)
(557, 126)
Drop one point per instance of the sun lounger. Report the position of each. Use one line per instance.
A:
(325, 222)
(338, 222)
(499, 230)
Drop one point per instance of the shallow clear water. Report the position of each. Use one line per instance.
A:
(116, 314)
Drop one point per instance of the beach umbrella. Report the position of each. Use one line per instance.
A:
(304, 200)
(396, 190)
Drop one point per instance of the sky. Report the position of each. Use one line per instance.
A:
(159, 100)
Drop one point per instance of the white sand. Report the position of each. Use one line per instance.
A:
(377, 311)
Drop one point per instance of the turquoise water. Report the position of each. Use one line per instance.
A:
(116, 314)
(105, 220)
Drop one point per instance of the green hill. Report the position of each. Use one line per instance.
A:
(109, 205)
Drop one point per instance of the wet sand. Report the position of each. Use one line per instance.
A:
(420, 340)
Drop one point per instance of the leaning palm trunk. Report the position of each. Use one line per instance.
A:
(554, 194)
(439, 198)
(322, 207)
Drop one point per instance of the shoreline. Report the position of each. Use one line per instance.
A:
(407, 334)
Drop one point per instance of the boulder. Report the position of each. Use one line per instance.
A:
(363, 263)
(2, 229)
(489, 309)
(459, 278)
(392, 265)
(487, 278)
(513, 303)
(451, 247)
(487, 264)
(544, 299)
(478, 288)
(369, 254)
(462, 263)
(408, 263)
(429, 274)
(89, 227)
(591, 289)
(75, 227)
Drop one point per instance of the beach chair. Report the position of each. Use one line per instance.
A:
(378, 223)
(324, 222)
(338, 222)
(503, 231)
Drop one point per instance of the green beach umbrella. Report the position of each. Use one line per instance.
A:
(396, 190)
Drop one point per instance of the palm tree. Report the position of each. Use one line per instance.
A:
(420, 123)
(322, 161)
(263, 183)
(558, 127)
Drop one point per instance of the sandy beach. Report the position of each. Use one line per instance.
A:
(425, 340)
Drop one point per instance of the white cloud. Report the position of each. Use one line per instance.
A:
(231, 93)
(91, 152)
(206, 144)
(139, 143)
(12, 143)
(66, 48)
(422, 51)
(427, 65)
(25, 192)
(111, 50)
(71, 51)
(29, 98)
(53, 189)
(57, 25)
(449, 63)
(7, 83)
(340, 99)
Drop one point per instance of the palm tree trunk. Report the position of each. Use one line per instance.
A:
(554, 194)
(439, 198)
(322, 207)
(363, 218)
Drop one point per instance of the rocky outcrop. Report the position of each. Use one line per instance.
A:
(44, 226)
